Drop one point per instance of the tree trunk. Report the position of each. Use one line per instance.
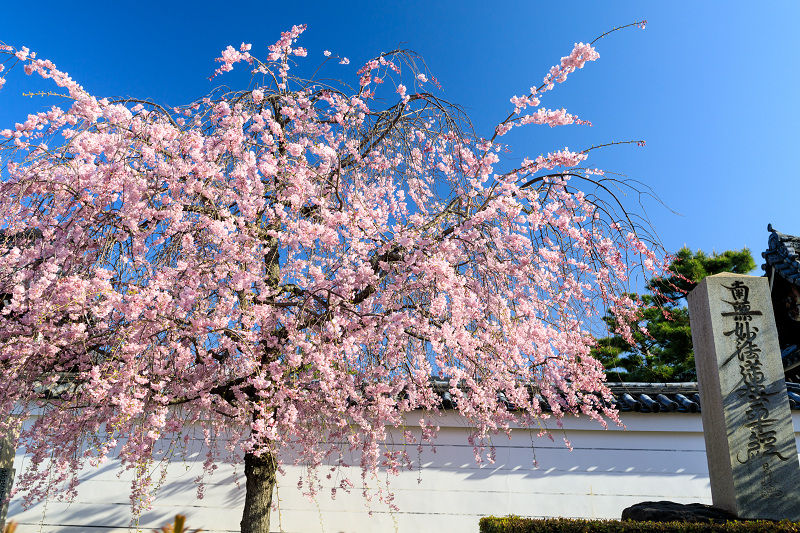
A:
(260, 474)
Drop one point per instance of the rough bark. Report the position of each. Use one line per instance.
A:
(260, 474)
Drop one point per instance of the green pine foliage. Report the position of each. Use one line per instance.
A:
(662, 349)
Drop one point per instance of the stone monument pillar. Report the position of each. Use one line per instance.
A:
(6, 476)
(747, 424)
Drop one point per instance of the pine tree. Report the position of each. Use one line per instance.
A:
(662, 347)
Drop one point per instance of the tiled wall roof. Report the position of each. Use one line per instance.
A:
(640, 397)
(673, 397)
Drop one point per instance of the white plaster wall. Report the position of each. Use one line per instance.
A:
(658, 457)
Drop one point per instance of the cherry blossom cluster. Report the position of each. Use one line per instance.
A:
(288, 265)
(581, 53)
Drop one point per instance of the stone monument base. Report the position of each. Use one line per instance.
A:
(675, 512)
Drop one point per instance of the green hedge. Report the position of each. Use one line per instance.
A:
(516, 524)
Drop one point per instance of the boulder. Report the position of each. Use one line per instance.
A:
(675, 512)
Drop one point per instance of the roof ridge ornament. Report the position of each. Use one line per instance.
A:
(782, 270)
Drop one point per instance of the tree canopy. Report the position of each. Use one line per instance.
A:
(661, 350)
(287, 265)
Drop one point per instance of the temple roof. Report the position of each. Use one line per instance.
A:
(783, 255)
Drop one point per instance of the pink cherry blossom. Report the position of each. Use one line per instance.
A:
(290, 276)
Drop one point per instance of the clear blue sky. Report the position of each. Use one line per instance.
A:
(711, 86)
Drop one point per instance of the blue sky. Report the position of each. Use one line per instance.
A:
(710, 86)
